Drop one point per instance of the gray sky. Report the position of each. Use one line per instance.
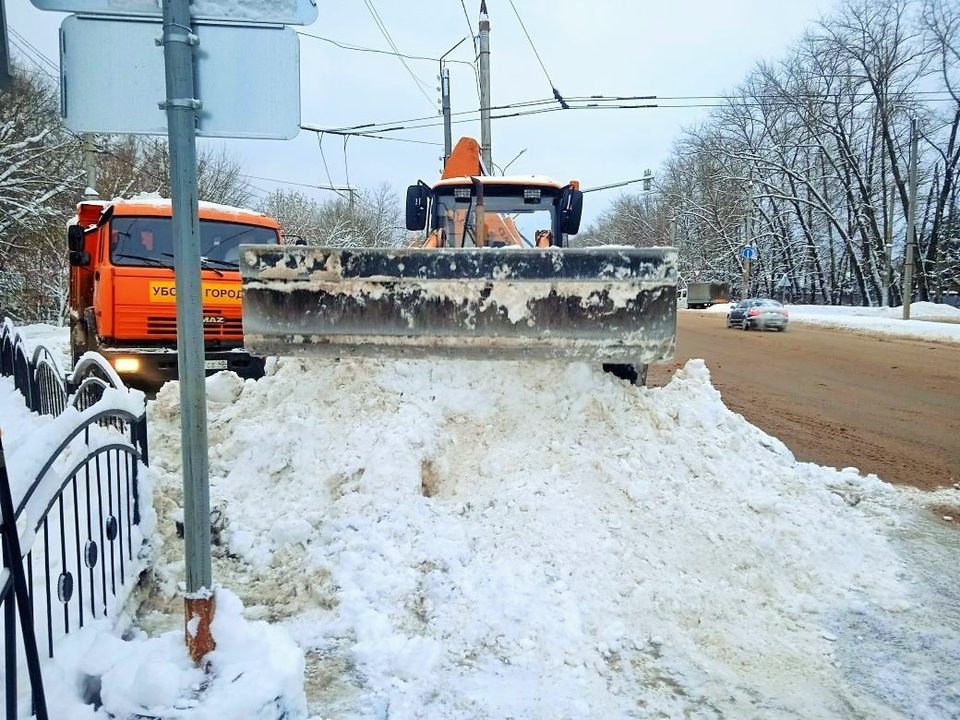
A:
(609, 47)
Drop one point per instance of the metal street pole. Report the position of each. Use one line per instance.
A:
(748, 239)
(181, 106)
(888, 246)
(911, 222)
(485, 150)
(6, 81)
(90, 167)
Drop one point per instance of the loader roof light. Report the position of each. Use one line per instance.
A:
(126, 364)
(461, 193)
(531, 195)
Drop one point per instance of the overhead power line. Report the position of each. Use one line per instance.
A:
(556, 93)
(386, 34)
(360, 48)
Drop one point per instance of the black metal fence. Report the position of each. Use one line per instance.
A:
(70, 524)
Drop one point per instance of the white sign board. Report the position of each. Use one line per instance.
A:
(112, 79)
(276, 12)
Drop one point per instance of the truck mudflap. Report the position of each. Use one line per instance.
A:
(606, 304)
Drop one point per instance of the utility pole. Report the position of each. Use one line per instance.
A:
(6, 82)
(90, 167)
(911, 222)
(888, 247)
(447, 122)
(748, 238)
(181, 106)
(485, 150)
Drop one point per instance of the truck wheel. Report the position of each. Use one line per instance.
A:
(634, 374)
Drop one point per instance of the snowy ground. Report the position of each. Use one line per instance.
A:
(928, 321)
(481, 540)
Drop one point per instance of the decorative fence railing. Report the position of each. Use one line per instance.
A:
(69, 512)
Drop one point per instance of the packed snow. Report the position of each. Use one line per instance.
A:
(491, 540)
(928, 321)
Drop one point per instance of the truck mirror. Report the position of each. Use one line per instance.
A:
(417, 197)
(571, 210)
(79, 258)
(75, 238)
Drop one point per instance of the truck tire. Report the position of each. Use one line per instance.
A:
(633, 374)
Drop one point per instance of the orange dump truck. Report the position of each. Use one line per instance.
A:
(123, 294)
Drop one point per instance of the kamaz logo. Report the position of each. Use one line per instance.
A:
(214, 320)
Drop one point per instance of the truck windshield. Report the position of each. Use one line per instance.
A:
(148, 241)
(509, 220)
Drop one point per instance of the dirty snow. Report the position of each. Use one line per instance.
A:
(493, 540)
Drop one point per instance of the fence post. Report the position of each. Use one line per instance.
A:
(11, 541)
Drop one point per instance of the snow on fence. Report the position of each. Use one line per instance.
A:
(70, 501)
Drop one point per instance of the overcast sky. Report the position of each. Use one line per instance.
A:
(609, 47)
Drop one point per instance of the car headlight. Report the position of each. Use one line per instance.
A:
(126, 364)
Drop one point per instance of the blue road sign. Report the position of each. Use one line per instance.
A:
(748, 253)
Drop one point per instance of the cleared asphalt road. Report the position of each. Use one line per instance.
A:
(885, 405)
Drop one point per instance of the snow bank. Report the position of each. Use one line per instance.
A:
(491, 540)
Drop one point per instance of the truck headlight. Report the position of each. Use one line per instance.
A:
(126, 364)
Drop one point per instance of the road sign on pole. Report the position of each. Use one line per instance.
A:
(258, 12)
(749, 253)
(247, 79)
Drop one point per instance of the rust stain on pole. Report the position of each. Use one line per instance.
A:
(198, 615)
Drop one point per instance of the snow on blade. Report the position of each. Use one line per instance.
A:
(487, 540)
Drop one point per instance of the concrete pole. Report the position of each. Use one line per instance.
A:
(911, 222)
(181, 106)
(485, 103)
(5, 80)
(447, 122)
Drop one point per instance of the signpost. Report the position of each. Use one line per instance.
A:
(254, 12)
(208, 72)
(247, 78)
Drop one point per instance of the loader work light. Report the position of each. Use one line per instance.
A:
(461, 193)
(531, 195)
(126, 364)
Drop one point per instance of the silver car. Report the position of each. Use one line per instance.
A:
(757, 313)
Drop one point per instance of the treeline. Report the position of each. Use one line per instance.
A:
(804, 159)
(43, 176)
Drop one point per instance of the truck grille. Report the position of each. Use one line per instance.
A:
(216, 326)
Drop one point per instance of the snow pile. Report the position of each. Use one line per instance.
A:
(928, 321)
(492, 540)
(255, 673)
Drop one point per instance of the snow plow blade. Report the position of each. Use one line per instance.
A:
(609, 304)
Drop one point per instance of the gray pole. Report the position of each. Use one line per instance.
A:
(181, 106)
(911, 222)
(485, 150)
(90, 167)
(888, 244)
(5, 80)
(748, 239)
(447, 123)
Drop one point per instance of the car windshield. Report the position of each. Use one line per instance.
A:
(772, 303)
(149, 241)
(509, 220)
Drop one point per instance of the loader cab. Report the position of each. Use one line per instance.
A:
(495, 212)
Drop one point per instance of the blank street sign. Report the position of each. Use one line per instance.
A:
(276, 12)
(248, 79)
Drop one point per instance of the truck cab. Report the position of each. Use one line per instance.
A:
(468, 208)
(123, 292)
